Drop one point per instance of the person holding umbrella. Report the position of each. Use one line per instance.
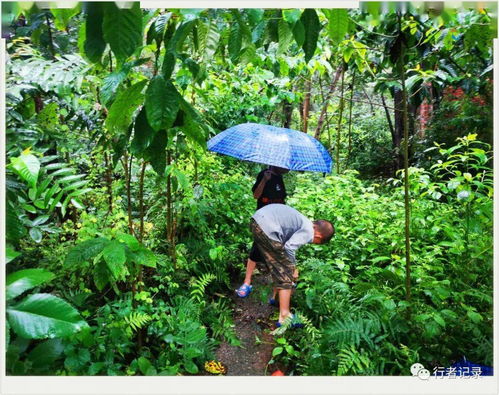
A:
(268, 188)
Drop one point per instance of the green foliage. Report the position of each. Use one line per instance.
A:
(122, 29)
(169, 80)
(310, 21)
(113, 260)
(22, 280)
(42, 316)
(162, 103)
(94, 38)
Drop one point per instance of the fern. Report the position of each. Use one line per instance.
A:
(199, 286)
(351, 331)
(350, 360)
(136, 321)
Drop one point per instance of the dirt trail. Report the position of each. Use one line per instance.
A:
(252, 319)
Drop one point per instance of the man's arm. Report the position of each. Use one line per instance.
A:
(259, 189)
(298, 239)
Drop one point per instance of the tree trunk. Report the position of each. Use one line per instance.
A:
(398, 99)
(322, 116)
(170, 232)
(340, 119)
(288, 113)
(350, 117)
(306, 105)
(109, 181)
(405, 128)
(128, 191)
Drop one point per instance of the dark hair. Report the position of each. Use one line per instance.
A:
(325, 228)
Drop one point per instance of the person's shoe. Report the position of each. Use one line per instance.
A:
(295, 323)
(273, 302)
(244, 290)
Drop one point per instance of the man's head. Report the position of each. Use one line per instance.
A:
(323, 231)
(279, 170)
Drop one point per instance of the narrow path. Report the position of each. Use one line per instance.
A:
(252, 319)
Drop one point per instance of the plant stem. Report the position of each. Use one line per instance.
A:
(340, 119)
(109, 181)
(406, 177)
(51, 40)
(350, 118)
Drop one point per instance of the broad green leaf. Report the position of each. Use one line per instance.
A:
(145, 257)
(11, 254)
(312, 26)
(338, 24)
(168, 64)
(235, 41)
(193, 67)
(209, 39)
(86, 250)
(77, 359)
(276, 351)
(129, 240)
(14, 227)
(144, 365)
(191, 367)
(255, 15)
(158, 28)
(63, 171)
(45, 353)
(27, 166)
(62, 16)
(143, 134)
(115, 257)
(412, 81)
(22, 280)
(177, 41)
(122, 29)
(183, 181)
(42, 316)
(110, 84)
(101, 275)
(36, 234)
(113, 80)
(474, 316)
(162, 103)
(74, 177)
(299, 33)
(94, 45)
(248, 54)
(155, 153)
(291, 16)
(285, 36)
(439, 320)
(192, 127)
(124, 106)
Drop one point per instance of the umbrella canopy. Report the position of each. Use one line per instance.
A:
(272, 146)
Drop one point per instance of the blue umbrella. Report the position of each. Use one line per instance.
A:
(272, 146)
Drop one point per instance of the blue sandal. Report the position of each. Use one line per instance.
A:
(273, 302)
(244, 290)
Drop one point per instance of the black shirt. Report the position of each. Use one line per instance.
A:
(274, 190)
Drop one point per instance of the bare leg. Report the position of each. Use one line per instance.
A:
(250, 267)
(284, 302)
(274, 292)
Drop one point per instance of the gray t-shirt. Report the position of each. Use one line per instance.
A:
(285, 225)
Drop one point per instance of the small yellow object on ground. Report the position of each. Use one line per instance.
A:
(215, 367)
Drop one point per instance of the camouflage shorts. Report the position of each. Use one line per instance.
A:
(277, 261)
